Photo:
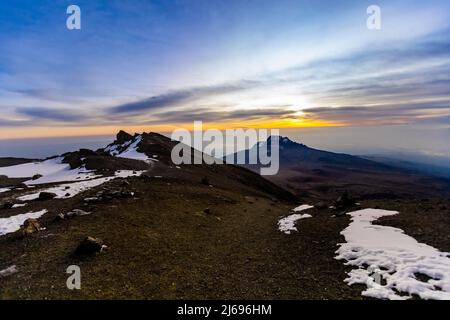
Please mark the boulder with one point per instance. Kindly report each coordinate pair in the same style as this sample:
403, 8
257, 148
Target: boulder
46, 196
31, 226
89, 246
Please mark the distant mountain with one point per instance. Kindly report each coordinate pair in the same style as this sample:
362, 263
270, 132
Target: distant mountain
310, 172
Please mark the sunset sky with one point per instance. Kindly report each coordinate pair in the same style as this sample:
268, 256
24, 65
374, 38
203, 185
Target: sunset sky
157, 65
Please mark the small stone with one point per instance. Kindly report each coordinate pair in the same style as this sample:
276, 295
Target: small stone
207, 211
46, 196
36, 176
89, 246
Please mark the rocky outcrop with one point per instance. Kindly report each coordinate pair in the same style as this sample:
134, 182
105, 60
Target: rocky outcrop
123, 137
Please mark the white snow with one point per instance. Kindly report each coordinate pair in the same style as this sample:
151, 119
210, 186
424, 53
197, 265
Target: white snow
52, 170
287, 224
4, 190
8, 271
388, 253
131, 151
303, 207
114, 148
75, 188
19, 205
12, 224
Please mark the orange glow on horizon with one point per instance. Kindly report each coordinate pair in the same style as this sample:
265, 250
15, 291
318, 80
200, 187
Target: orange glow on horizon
80, 131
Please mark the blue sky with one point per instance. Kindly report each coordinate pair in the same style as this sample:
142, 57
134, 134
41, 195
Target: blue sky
144, 65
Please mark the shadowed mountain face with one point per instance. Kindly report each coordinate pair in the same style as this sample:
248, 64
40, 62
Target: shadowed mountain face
315, 173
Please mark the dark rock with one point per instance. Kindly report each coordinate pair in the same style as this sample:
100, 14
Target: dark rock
207, 211
8, 205
89, 246
31, 226
67, 195
46, 196
123, 137
124, 183
345, 201
340, 214
59, 217
36, 176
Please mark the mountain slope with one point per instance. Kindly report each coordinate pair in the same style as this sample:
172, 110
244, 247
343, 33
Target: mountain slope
315, 173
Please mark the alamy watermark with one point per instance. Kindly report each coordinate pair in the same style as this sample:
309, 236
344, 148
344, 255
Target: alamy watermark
73, 21
218, 147
373, 22
74, 280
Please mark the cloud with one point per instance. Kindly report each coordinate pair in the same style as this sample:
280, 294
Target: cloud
223, 115
41, 113
421, 113
179, 97
13, 123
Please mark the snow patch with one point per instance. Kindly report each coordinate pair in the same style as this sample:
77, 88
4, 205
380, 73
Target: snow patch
8, 271
394, 257
51, 170
12, 224
303, 207
4, 190
19, 205
70, 190
130, 152
287, 224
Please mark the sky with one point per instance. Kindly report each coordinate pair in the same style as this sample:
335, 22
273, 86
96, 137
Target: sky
310, 66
